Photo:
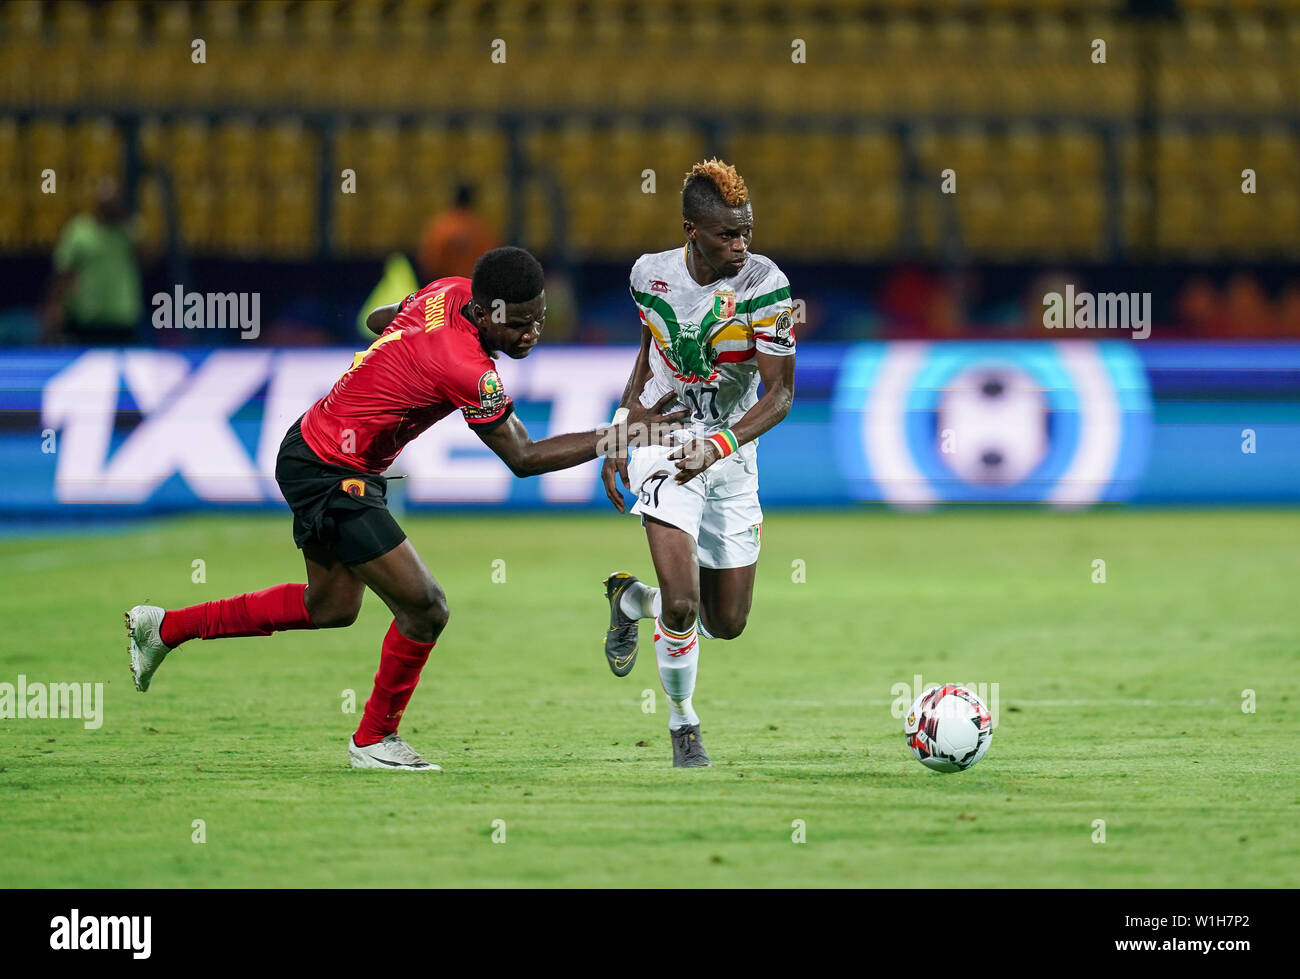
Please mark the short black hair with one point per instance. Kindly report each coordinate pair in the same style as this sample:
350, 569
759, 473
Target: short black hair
510, 274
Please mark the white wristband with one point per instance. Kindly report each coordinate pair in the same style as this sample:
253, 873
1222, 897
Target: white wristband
620, 417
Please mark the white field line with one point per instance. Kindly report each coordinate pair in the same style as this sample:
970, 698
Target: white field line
870, 702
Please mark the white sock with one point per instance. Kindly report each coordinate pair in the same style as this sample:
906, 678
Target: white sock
679, 658
704, 632
640, 601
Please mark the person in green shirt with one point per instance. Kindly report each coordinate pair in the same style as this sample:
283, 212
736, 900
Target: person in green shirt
95, 295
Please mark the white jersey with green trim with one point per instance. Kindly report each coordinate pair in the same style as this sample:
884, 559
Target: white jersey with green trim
706, 338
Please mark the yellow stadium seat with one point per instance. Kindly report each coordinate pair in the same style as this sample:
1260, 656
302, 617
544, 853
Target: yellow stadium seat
196, 207
379, 147
1225, 155
362, 22
426, 147
1075, 154
22, 19
492, 201
291, 232
1077, 225
72, 21
239, 219
47, 147
539, 233
290, 153
394, 225
1176, 158
11, 157
413, 25
482, 149
14, 220
872, 157
1278, 152
971, 154
191, 151
237, 159
96, 147
1277, 217
1009, 60
173, 22
152, 214
349, 218
220, 21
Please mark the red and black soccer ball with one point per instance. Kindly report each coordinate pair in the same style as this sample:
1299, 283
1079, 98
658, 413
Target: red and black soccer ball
948, 728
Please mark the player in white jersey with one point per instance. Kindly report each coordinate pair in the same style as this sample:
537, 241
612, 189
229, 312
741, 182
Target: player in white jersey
715, 319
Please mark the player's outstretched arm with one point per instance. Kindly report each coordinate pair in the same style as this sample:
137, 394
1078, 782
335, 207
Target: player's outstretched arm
525, 457
778, 395
617, 464
378, 319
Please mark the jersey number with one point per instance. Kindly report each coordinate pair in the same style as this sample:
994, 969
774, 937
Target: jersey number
647, 493
699, 409
360, 355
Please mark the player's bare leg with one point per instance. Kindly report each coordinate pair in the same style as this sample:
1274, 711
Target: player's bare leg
334, 593
725, 598
677, 645
420, 614
726, 595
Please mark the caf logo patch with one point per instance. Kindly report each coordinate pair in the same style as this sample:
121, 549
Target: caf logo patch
783, 329
354, 487
491, 392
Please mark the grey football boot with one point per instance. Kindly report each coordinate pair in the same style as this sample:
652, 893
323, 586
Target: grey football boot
621, 638
688, 749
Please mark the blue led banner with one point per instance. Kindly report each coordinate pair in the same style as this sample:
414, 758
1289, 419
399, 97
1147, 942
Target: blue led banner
910, 424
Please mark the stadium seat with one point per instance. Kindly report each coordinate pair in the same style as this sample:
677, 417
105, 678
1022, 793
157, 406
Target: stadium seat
1004, 68
11, 148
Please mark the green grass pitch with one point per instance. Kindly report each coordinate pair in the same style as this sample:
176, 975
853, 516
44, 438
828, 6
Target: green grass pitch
1119, 701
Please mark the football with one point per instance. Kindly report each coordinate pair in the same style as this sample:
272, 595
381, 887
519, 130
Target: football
948, 728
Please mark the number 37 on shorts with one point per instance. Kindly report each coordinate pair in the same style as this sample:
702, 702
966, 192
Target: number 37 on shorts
719, 508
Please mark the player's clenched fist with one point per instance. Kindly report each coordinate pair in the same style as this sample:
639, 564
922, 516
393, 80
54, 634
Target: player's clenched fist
694, 457
698, 454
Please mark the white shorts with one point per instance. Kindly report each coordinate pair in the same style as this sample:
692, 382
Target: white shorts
718, 508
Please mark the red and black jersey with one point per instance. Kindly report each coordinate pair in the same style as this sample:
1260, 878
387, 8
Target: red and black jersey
427, 364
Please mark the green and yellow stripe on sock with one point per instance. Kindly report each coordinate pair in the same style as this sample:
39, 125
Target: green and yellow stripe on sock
678, 636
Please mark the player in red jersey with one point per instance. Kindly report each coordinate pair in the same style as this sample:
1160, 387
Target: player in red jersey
433, 357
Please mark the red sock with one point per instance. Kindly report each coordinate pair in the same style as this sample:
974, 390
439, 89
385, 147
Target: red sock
258, 613
399, 671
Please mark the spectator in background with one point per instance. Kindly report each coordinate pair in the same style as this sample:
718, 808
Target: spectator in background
1247, 311
1200, 310
1241, 310
454, 239
919, 302
1288, 320
95, 294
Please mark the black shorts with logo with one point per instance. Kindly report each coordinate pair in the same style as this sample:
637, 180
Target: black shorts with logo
339, 509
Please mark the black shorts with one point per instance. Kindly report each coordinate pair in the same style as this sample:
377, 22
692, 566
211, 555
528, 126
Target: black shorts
339, 509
